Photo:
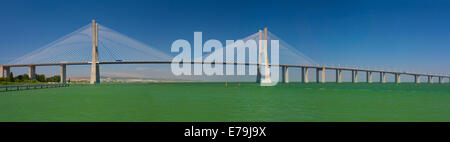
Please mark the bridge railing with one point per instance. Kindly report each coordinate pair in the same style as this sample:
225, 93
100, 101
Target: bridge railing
6, 88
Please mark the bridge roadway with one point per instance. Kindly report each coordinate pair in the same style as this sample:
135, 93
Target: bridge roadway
284, 67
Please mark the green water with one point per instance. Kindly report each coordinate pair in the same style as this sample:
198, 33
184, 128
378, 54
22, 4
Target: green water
215, 102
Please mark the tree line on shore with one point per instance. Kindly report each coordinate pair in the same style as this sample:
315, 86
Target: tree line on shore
24, 78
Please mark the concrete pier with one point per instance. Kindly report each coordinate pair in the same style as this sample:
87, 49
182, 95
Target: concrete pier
305, 75
63, 73
285, 74
354, 76
441, 80
383, 77
95, 68
318, 75
397, 78
258, 75
338, 76
323, 75
369, 77
416, 79
32, 72
430, 79
286, 79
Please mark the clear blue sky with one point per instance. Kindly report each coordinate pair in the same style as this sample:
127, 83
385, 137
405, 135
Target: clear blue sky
405, 34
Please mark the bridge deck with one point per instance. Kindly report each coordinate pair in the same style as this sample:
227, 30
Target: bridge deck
285, 65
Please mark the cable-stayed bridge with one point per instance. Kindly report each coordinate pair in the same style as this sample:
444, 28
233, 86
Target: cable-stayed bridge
97, 45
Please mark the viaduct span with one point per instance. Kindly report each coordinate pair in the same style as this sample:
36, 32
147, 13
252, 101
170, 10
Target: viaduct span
305, 69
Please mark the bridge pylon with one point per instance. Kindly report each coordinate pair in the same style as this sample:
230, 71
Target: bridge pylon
264, 47
95, 68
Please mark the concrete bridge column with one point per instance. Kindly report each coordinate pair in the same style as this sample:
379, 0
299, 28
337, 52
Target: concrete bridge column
323, 75
287, 75
283, 75
338, 76
383, 77
430, 79
441, 80
317, 74
397, 78
354, 76
258, 75
95, 68
32, 72
417, 78
63, 73
305, 75
369, 77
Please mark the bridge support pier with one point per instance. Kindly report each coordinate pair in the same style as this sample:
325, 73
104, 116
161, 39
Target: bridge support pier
397, 78
32, 72
323, 75
285, 74
441, 80
258, 75
354, 76
369, 77
305, 75
63, 74
286, 80
322, 78
338, 76
416, 79
95, 71
382, 77
317, 75
430, 79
